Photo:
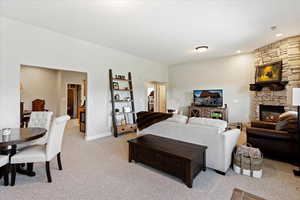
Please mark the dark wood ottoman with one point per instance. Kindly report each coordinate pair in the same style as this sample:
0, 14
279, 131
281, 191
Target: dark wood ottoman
180, 159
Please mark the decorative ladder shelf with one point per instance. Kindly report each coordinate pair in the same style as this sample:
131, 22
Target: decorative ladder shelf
128, 127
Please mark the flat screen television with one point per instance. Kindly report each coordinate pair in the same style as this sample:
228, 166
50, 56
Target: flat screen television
212, 98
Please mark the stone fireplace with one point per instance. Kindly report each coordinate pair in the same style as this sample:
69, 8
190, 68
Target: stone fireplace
270, 113
287, 51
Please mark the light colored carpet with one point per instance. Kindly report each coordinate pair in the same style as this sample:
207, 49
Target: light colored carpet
100, 170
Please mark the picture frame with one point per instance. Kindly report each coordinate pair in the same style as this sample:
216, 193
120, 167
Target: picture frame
115, 85
269, 73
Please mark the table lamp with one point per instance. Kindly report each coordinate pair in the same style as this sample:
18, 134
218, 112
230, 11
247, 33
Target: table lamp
296, 102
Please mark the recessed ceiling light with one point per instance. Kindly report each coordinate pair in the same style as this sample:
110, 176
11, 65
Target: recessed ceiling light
238, 51
201, 48
279, 34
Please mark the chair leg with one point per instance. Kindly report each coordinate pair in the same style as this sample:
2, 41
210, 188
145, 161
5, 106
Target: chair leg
29, 167
59, 161
13, 174
48, 171
6, 172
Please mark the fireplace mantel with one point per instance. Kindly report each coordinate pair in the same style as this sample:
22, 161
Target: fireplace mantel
274, 86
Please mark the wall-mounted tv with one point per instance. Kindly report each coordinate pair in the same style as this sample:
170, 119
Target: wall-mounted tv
208, 98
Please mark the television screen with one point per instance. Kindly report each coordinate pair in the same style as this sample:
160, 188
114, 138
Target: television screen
208, 98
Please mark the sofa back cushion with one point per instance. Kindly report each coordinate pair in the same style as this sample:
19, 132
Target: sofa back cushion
217, 123
178, 119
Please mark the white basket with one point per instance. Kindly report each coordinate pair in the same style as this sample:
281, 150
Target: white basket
256, 173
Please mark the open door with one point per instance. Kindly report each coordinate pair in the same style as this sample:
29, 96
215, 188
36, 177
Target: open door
157, 96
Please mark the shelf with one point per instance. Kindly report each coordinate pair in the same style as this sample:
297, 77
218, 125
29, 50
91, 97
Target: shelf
122, 113
124, 90
118, 79
127, 100
122, 101
128, 128
273, 86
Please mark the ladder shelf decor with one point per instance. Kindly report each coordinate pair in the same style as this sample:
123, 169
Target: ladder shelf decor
122, 101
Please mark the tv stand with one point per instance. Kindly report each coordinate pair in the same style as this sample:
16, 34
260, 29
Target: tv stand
209, 112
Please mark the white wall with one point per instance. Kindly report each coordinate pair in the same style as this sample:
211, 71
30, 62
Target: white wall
232, 74
29, 45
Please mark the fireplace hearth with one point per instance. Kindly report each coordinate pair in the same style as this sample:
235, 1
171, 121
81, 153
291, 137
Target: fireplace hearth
270, 113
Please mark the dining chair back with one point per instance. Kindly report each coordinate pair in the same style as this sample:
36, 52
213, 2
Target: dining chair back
55, 137
41, 120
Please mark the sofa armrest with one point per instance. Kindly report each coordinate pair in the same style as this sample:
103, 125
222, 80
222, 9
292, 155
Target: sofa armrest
230, 141
262, 124
271, 134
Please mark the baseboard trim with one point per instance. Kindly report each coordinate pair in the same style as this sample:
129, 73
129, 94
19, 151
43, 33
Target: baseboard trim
95, 137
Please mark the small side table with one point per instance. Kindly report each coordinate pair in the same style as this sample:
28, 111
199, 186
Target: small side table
234, 125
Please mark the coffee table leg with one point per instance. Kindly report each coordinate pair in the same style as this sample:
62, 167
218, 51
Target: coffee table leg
204, 161
130, 156
188, 175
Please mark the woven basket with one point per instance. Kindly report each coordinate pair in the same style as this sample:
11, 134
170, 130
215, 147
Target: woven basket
246, 162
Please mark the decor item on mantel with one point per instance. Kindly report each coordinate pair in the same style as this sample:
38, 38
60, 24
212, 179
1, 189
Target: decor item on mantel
269, 76
296, 102
123, 115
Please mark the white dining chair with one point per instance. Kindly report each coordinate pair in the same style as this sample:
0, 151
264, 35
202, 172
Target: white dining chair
42, 153
40, 120
4, 162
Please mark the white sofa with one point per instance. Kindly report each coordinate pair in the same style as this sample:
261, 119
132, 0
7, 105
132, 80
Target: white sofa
220, 143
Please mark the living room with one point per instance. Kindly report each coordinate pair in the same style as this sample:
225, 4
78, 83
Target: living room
157, 42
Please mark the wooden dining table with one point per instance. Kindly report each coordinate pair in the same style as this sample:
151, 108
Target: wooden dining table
9, 144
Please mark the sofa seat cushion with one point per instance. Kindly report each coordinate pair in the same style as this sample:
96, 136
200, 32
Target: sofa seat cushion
35, 153
271, 134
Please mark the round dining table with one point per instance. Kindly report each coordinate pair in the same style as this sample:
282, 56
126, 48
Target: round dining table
17, 136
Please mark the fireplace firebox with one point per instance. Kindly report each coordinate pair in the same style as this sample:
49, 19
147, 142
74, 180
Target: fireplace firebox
270, 113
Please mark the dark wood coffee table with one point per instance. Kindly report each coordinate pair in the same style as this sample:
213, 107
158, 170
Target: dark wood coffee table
181, 159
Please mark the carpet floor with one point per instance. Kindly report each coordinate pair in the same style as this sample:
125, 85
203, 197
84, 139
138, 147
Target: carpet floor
99, 169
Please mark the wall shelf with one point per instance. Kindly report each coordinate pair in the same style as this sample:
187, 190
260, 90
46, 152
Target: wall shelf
273, 86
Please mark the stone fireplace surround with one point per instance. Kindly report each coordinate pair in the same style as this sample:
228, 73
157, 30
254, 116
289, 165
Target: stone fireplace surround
287, 51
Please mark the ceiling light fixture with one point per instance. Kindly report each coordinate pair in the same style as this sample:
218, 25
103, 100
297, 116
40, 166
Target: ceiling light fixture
238, 51
201, 49
279, 34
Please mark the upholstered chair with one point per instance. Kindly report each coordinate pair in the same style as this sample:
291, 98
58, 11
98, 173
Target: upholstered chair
4, 161
38, 120
42, 153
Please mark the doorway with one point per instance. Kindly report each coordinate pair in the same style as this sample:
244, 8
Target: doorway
74, 100
63, 93
157, 96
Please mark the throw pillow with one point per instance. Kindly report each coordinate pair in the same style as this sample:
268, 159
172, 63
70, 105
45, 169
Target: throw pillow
288, 121
288, 114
